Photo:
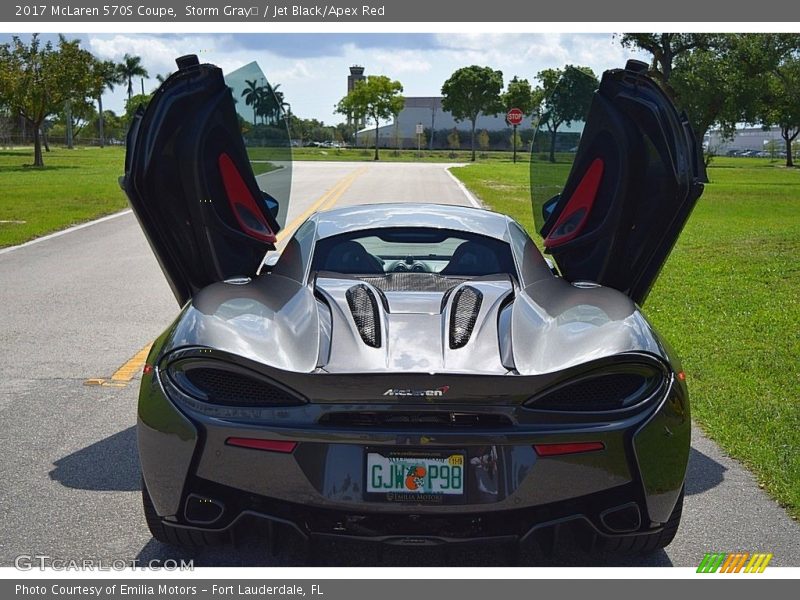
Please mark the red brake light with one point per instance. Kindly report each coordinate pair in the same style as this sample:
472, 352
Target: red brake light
147, 369
259, 444
682, 376
568, 448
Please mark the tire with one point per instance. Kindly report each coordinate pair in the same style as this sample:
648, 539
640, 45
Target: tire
180, 537
648, 542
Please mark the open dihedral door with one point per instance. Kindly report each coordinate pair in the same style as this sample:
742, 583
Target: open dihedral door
636, 175
190, 183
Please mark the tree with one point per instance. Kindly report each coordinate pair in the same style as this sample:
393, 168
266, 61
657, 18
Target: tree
483, 140
252, 97
780, 106
563, 96
130, 67
74, 116
377, 98
133, 103
519, 95
454, 140
106, 75
665, 48
470, 92
718, 79
38, 79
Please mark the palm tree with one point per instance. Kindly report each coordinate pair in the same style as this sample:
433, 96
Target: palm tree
284, 108
162, 78
130, 67
252, 97
266, 104
107, 75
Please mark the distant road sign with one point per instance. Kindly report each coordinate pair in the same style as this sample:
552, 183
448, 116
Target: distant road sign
420, 129
514, 116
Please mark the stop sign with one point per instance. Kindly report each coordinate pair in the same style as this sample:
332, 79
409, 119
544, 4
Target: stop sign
514, 116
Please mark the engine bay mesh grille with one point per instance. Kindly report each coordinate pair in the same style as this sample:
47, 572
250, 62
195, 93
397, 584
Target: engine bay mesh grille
364, 307
463, 315
413, 282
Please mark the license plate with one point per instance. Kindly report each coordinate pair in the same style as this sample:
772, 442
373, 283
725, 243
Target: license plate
415, 476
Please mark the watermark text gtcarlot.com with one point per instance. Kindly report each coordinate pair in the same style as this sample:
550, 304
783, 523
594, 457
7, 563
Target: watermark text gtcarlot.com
30, 562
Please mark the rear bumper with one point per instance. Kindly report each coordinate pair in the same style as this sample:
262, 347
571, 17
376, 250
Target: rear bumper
586, 517
510, 491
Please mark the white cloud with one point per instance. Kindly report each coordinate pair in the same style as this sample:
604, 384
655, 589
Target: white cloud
394, 63
313, 84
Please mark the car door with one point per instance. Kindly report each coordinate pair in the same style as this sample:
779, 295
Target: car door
636, 175
190, 183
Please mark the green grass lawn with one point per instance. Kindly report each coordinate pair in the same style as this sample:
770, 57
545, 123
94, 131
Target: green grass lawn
728, 300
81, 184
74, 186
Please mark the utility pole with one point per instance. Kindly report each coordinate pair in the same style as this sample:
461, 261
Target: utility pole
433, 118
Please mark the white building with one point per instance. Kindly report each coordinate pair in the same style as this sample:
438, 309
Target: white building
746, 139
428, 111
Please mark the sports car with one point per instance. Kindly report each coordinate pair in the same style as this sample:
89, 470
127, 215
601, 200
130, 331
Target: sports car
413, 373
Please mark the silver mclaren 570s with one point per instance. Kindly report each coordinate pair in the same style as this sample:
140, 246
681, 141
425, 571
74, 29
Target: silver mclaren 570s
413, 373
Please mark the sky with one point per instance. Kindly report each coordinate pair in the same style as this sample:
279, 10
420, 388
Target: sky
312, 68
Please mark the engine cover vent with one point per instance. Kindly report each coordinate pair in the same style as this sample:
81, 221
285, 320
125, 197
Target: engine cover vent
463, 315
364, 307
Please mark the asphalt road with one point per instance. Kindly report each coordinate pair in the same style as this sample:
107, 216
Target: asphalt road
81, 305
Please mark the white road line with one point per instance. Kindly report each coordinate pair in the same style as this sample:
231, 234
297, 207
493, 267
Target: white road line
50, 236
472, 199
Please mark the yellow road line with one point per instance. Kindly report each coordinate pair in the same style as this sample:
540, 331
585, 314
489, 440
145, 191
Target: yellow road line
133, 366
125, 373
327, 200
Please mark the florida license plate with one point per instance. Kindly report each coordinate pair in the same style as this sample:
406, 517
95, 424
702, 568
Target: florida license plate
415, 476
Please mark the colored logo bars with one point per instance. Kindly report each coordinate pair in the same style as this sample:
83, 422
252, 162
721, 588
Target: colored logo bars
734, 562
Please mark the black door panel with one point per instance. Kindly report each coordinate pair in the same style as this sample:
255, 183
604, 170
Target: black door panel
190, 183
636, 177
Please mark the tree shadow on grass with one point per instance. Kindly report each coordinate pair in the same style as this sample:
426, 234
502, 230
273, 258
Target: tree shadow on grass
31, 169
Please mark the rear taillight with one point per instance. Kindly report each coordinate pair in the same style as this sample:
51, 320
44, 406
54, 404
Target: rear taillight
615, 388
221, 383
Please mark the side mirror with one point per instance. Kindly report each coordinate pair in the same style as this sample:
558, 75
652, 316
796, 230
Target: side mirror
549, 206
272, 205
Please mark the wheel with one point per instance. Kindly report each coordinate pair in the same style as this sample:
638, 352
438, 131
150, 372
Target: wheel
648, 542
187, 539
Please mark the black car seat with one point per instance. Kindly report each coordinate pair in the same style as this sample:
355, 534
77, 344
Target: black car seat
351, 258
470, 259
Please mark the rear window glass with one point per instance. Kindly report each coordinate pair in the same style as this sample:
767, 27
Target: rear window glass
418, 250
